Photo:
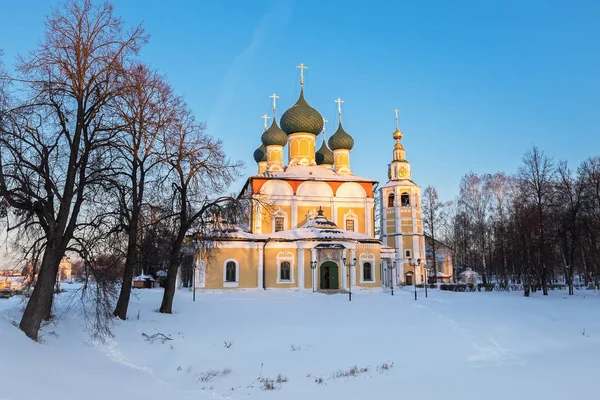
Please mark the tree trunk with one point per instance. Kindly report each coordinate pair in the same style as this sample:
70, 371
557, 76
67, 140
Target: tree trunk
41, 298
167, 301
130, 261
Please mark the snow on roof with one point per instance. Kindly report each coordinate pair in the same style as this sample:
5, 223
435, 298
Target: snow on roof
316, 233
441, 275
395, 183
319, 228
468, 273
143, 278
314, 172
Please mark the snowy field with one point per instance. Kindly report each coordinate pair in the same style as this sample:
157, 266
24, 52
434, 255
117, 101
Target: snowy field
224, 346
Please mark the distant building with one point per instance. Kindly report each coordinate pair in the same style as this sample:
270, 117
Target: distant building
444, 260
64, 269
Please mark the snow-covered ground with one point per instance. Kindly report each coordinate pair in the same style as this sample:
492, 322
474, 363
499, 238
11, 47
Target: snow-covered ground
450, 345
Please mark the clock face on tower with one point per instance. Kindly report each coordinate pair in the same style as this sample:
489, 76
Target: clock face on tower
402, 172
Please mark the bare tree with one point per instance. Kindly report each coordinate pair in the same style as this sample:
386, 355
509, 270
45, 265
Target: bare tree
434, 214
199, 167
537, 177
499, 186
146, 107
570, 192
53, 142
476, 201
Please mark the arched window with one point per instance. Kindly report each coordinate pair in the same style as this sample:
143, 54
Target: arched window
367, 271
285, 271
230, 272
391, 200
405, 200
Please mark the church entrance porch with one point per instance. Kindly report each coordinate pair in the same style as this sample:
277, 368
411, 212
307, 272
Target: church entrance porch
329, 276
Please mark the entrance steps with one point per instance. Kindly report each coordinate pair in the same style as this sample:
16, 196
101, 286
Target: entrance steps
333, 291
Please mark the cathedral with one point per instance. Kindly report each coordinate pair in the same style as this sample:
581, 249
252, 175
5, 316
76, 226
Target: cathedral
312, 221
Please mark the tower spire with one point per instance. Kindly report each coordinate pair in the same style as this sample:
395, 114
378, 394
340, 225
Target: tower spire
396, 111
265, 118
339, 103
324, 123
302, 68
274, 97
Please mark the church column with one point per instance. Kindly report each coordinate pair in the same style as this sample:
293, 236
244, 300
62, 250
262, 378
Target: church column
353, 270
344, 276
301, 266
260, 247
294, 212
313, 256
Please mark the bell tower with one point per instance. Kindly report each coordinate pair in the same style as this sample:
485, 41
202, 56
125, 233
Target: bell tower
401, 224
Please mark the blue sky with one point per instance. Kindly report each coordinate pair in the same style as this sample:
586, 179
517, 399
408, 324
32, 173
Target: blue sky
477, 83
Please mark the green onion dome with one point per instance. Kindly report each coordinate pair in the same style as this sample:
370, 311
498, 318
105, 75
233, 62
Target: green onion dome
341, 140
301, 118
324, 155
274, 136
260, 154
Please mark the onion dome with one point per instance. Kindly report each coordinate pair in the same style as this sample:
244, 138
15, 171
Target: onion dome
341, 140
324, 155
398, 134
260, 154
301, 118
274, 136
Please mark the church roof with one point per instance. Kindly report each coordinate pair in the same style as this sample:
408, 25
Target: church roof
320, 228
324, 155
301, 117
399, 182
274, 136
311, 173
260, 154
341, 139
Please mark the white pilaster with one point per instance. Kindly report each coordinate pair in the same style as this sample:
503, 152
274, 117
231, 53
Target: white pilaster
313, 254
352, 269
343, 276
300, 266
294, 213
261, 267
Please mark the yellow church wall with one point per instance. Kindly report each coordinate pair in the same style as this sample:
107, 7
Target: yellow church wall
271, 266
271, 211
247, 260
358, 212
368, 253
304, 210
307, 269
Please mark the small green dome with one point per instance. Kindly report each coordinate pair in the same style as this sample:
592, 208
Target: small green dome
260, 154
274, 136
301, 118
341, 140
324, 155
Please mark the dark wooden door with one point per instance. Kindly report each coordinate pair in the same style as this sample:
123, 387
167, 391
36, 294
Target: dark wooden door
329, 276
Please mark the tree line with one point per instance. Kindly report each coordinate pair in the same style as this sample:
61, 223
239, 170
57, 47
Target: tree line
530, 229
99, 157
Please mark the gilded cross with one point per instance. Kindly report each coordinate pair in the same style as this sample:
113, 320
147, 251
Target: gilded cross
274, 97
302, 68
265, 118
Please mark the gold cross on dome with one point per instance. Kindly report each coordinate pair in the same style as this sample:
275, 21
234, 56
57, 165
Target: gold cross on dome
274, 97
265, 118
302, 68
